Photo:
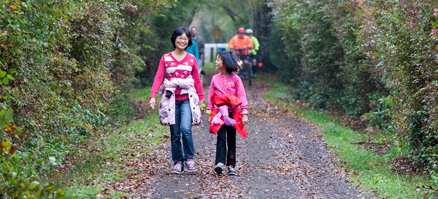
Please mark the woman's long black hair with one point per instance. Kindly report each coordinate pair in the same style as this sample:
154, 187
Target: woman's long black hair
178, 32
230, 60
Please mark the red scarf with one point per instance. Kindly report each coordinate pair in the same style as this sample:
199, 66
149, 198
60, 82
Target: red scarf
234, 102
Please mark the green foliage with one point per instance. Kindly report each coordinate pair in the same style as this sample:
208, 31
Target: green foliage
172, 14
381, 114
401, 38
24, 176
104, 159
65, 70
285, 52
209, 66
322, 55
5, 113
56, 66
19, 180
375, 59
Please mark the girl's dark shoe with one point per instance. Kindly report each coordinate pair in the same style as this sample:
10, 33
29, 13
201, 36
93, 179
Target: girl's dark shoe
219, 168
231, 171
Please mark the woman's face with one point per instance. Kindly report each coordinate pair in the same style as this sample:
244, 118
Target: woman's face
182, 41
219, 63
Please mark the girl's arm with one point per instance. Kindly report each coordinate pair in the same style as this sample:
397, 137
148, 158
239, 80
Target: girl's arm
158, 78
210, 93
198, 83
241, 94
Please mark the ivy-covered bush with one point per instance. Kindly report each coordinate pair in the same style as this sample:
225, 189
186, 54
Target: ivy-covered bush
326, 61
375, 59
401, 37
66, 69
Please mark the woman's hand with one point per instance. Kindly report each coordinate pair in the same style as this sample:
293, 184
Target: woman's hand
152, 103
245, 120
202, 108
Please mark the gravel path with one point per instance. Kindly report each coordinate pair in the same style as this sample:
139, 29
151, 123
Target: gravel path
283, 157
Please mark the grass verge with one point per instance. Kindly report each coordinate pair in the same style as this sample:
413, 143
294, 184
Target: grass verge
373, 172
208, 66
101, 160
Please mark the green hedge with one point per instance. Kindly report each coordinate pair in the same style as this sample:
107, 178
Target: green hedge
66, 68
401, 38
371, 59
325, 59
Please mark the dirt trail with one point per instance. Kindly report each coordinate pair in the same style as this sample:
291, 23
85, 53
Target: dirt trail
283, 157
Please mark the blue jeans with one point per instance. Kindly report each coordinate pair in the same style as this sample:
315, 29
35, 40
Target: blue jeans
182, 126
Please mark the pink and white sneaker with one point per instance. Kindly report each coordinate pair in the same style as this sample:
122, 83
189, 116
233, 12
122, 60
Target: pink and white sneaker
190, 164
178, 168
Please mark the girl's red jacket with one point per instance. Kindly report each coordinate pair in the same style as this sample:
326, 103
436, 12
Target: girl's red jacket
234, 102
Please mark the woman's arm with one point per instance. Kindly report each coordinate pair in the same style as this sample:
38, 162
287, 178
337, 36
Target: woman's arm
197, 79
157, 82
158, 78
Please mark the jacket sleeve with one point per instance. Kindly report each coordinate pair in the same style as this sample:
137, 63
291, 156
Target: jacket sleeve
250, 44
158, 78
256, 44
210, 93
196, 52
198, 83
201, 45
241, 94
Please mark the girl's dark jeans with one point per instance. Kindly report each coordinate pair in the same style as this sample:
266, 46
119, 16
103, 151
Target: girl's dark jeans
226, 133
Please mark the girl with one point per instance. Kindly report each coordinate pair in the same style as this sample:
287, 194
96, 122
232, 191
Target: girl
226, 95
182, 101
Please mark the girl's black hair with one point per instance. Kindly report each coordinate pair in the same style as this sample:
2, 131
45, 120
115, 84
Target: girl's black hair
230, 60
178, 32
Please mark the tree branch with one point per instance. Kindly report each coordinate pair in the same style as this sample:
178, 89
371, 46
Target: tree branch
233, 15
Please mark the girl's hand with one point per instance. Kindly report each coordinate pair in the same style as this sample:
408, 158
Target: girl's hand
152, 103
209, 117
202, 108
245, 120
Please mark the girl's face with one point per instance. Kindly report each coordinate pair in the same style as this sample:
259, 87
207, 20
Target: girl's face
219, 64
182, 41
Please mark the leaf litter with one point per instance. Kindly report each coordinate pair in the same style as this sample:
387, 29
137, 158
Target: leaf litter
283, 157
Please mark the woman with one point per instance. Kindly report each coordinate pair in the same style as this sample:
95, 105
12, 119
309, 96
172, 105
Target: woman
182, 101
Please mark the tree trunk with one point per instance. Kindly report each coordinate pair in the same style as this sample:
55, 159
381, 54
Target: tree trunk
262, 30
189, 21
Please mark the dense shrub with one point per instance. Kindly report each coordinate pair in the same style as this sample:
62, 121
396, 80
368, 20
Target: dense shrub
401, 37
66, 69
285, 52
59, 55
325, 59
371, 58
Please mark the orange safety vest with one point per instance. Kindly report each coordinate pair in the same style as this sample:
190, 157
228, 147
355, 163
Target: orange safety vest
241, 44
